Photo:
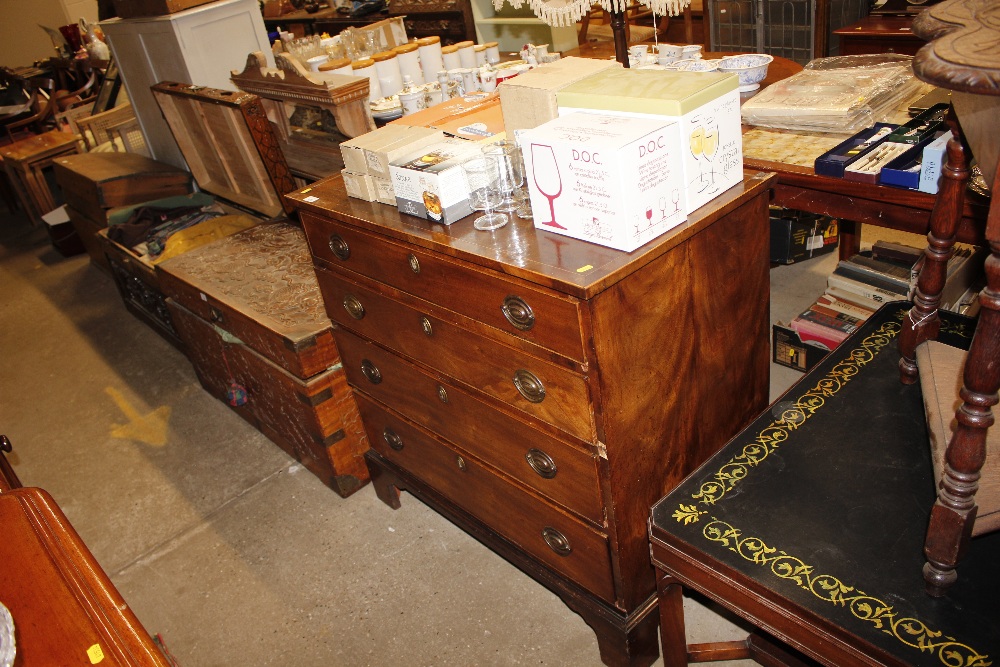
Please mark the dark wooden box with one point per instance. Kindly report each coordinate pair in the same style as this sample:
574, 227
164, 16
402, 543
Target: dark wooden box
94, 183
249, 310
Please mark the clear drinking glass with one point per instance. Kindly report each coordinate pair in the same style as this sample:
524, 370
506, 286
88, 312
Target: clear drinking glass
511, 173
483, 174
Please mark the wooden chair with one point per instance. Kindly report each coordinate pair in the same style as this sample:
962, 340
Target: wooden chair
595, 26
95, 129
129, 135
42, 110
814, 523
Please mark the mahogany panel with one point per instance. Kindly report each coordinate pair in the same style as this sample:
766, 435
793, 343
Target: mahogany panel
576, 551
560, 397
555, 321
498, 438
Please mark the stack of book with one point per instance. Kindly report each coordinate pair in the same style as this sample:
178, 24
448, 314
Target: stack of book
888, 272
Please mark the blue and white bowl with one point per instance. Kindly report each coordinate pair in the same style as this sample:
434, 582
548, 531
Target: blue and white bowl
750, 67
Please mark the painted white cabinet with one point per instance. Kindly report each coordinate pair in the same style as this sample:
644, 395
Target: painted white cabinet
200, 46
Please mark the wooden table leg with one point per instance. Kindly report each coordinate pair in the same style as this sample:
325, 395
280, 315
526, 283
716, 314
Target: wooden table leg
850, 238
673, 636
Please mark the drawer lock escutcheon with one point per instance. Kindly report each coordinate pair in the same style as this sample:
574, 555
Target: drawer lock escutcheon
371, 371
414, 263
518, 312
541, 463
442, 394
529, 386
392, 439
354, 307
216, 315
339, 247
556, 541
425, 324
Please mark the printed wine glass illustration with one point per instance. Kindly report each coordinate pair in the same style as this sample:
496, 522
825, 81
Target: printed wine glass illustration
547, 178
697, 148
675, 197
709, 148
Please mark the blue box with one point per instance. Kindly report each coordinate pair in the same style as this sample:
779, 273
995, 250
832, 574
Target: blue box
904, 171
835, 161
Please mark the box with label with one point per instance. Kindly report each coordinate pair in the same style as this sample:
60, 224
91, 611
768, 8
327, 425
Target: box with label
431, 184
904, 171
359, 186
605, 179
797, 236
529, 99
934, 156
354, 150
414, 138
705, 108
837, 159
788, 349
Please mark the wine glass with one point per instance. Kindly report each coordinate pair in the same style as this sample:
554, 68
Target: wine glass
511, 173
697, 148
709, 148
545, 172
483, 174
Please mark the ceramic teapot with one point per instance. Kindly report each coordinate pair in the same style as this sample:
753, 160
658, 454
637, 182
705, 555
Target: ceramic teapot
94, 42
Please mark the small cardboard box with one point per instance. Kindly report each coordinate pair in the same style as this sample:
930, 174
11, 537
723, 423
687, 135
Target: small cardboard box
922, 126
605, 179
800, 236
384, 192
529, 99
431, 184
414, 138
354, 150
934, 157
904, 171
705, 108
359, 186
789, 350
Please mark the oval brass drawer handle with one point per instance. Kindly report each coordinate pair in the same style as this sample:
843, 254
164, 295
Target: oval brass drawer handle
541, 463
371, 371
556, 541
414, 263
425, 324
339, 247
354, 307
392, 439
518, 312
529, 386
460, 462
442, 394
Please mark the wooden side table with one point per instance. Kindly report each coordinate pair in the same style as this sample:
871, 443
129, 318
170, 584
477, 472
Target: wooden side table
65, 609
24, 162
879, 34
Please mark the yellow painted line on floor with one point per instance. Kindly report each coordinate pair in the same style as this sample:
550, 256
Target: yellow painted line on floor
150, 429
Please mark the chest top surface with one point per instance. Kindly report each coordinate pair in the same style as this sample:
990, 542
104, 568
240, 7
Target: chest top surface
578, 268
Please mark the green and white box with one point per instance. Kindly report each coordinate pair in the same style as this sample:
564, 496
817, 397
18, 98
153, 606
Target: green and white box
605, 179
431, 183
705, 109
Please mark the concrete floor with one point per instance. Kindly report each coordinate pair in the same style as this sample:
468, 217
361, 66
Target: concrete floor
221, 543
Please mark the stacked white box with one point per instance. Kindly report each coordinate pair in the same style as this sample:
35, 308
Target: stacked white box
606, 179
704, 105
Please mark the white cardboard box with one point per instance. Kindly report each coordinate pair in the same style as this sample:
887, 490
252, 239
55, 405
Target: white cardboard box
705, 106
431, 184
931, 163
605, 179
359, 186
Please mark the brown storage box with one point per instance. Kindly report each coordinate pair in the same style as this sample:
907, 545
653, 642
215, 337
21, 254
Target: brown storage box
94, 182
249, 310
128, 9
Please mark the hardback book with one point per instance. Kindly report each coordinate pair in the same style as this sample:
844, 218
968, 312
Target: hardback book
879, 273
867, 284
808, 332
832, 303
857, 293
828, 317
896, 252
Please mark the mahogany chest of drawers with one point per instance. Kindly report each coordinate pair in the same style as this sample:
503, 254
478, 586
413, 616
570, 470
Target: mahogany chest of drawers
543, 392
251, 317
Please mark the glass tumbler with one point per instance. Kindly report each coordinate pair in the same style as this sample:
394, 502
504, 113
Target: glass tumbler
511, 166
483, 174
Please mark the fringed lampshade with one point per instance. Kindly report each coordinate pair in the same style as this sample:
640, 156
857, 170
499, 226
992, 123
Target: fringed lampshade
562, 13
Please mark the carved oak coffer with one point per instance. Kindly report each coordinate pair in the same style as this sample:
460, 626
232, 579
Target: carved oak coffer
250, 313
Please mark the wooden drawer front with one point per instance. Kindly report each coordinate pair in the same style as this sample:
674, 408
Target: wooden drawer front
316, 421
543, 317
506, 442
88, 231
310, 353
539, 388
577, 551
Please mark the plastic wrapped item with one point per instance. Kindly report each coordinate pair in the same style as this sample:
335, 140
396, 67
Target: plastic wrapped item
844, 94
